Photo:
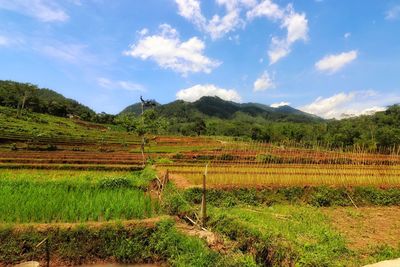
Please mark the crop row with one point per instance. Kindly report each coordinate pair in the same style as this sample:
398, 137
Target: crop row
104, 167
24, 201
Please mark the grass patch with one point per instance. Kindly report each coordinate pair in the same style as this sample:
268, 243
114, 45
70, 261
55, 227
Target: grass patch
282, 235
140, 243
88, 197
321, 196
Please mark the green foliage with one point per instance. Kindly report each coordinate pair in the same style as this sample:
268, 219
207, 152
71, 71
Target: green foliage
33, 126
16, 95
147, 123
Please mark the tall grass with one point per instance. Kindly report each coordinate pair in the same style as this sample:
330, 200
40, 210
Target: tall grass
39, 200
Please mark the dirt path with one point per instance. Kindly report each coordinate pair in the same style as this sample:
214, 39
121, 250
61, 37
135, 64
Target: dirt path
180, 181
367, 226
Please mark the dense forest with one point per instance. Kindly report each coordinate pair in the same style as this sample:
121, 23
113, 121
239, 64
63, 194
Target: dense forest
214, 116
25, 96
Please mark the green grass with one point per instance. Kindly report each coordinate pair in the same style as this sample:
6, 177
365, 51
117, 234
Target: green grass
47, 126
88, 196
138, 243
137, 179
282, 235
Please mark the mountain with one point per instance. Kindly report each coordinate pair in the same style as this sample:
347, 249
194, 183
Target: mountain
213, 106
28, 96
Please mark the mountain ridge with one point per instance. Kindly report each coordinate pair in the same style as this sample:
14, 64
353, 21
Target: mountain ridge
213, 106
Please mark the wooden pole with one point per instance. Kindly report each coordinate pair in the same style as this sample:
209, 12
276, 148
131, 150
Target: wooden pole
204, 203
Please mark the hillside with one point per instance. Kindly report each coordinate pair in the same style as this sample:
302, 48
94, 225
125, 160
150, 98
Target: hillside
209, 106
26, 96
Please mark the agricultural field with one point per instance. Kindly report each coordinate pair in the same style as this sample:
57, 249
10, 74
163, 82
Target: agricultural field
267, 204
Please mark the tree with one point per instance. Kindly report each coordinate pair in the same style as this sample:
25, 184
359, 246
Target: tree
199, 126
147, 123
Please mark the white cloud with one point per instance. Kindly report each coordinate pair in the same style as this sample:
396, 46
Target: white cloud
347, 35
280, 104
196, 92
143, 31
43, 10
296, 25
11, 39
169, 52
124, 85
393, 13
190, 9
354, 103
70, 53
264, 82
4, 41
333, 63
218, 25
278, 49
266, 9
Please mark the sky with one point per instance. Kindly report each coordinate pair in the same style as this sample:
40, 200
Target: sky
327, 57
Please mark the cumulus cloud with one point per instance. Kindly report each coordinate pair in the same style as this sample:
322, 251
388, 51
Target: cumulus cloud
393, 13
296, 25
124, 85
333, 63
349, 104
266, 9
264, 82
196, 92
190, 9
280, 104
43, 10
347, 35
169, 52
218, 25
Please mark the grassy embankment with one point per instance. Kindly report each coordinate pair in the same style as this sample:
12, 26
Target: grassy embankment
292, 226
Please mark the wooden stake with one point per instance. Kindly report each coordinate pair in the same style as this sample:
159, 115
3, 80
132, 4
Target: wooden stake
203, 203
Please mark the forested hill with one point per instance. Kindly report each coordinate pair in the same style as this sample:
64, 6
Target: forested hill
216, 107
26, 96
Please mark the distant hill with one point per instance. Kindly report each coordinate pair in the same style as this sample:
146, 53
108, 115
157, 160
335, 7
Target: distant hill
30, 97
212, 106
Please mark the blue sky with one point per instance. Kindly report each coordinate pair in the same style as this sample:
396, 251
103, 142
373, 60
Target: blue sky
327, 57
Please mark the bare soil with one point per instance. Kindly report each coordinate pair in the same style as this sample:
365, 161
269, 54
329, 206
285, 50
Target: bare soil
367, 226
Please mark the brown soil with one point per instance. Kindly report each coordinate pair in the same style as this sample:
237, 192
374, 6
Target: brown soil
367, 226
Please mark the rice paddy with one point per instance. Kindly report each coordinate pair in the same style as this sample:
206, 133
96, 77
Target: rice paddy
54, 196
